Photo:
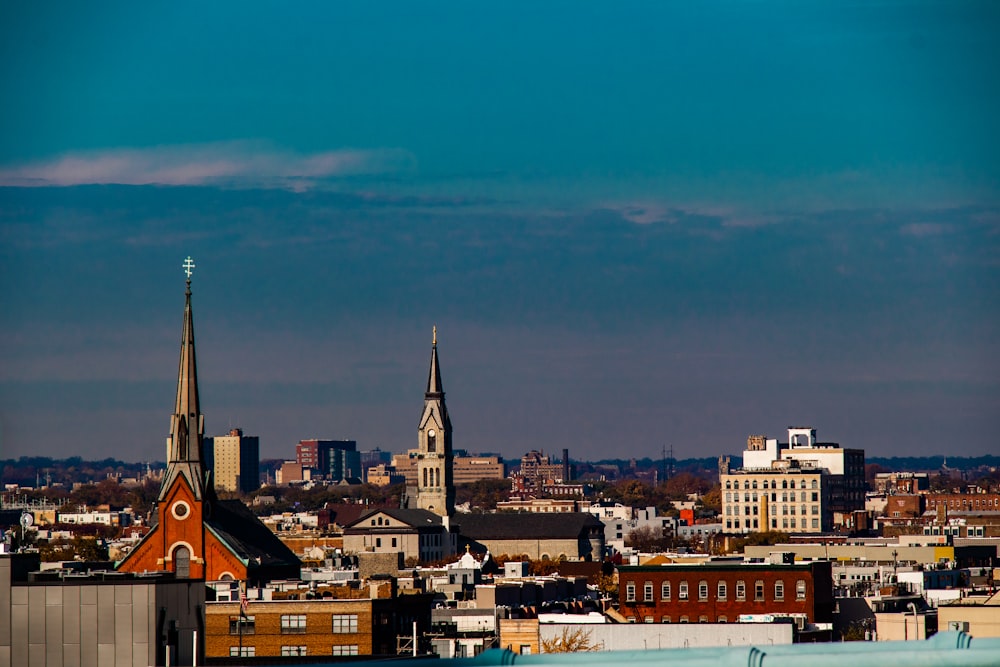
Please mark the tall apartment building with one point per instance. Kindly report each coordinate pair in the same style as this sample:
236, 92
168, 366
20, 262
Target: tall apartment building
333, 459
794, 486
234, 460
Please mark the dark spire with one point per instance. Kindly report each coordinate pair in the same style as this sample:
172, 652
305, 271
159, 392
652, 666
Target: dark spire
434, 386
187, 423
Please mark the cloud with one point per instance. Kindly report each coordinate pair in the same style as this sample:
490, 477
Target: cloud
232, 164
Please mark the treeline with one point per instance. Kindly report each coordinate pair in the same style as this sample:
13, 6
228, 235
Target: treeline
28, 470
934, 463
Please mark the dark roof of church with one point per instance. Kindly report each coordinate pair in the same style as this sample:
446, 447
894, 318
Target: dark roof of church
248, 537
527, 525
412, 517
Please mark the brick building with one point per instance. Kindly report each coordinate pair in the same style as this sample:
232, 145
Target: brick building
719, 592
964, 502
318, 627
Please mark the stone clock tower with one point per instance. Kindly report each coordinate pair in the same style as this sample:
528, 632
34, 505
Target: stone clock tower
435, 480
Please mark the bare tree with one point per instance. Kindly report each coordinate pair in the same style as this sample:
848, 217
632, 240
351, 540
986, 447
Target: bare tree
571, 641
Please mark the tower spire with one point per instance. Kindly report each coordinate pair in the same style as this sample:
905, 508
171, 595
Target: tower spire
187, 424
434, 386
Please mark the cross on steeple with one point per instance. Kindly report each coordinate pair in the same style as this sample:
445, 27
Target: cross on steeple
187, 266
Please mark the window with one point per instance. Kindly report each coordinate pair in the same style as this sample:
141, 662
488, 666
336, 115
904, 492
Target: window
293, 650
741, 590
815, 523
182, 562
815, 509
665, 590
247, 622
630, 592
348, 649
525, 649
242, 652
779, 590
682, 591
814, 484
647, 591
815, 496
649, 619
702, 590
800, 589
684, 619
394, 541
721, 592
292, 624
664, 619
703, 619
345, 623
722, 619
758, 590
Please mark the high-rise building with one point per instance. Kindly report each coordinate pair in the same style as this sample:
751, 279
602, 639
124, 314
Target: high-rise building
796, 486
234, 460
331, 459
435, 473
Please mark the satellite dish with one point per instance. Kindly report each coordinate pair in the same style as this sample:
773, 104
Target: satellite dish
27, 520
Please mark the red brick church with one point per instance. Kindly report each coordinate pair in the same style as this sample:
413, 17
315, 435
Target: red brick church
194, 534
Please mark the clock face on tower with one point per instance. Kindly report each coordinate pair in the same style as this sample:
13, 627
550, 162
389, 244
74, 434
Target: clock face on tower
431, 433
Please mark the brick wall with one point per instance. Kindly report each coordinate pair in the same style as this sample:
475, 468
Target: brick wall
804, 589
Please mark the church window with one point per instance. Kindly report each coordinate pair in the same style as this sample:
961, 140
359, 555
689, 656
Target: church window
182, 562
425, 477
431, 441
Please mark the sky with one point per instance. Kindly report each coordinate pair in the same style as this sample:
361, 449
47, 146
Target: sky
637, 226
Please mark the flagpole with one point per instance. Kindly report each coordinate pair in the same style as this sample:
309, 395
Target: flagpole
239, 622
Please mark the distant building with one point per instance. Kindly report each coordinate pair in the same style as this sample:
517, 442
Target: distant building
333, 460
721, 592
416, 533
796, 486
234, 460
318, 628
539, 536
465, 469
383, 475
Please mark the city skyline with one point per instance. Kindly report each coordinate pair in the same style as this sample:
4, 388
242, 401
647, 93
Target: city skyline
654, 225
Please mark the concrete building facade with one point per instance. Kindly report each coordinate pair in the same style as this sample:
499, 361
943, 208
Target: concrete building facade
234, 460
797, 486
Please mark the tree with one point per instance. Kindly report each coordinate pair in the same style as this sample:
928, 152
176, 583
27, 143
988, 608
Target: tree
571, 641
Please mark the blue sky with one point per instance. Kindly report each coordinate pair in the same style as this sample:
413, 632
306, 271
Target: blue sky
648, 225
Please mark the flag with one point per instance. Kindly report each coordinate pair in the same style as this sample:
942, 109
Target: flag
244, 603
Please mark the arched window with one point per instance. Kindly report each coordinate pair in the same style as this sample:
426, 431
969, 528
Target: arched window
431, 441
425, 477
182, 562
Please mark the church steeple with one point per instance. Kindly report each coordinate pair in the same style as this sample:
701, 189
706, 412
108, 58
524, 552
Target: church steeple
187, 424
434, 386
435, 467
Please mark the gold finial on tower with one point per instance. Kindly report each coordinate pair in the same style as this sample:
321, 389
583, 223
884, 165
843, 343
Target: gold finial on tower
435, 342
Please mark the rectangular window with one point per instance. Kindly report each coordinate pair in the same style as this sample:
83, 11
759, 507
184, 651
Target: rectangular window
394, 541
345, 623
293, 650
779, 590
758, 590
665, 590
247, 622
741, 590
815, 523
242, 652
800, 589
378, 542
350, 649
293, 624
682, 591
630, 592
525, 649
647, 591
703, 590
721, 592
